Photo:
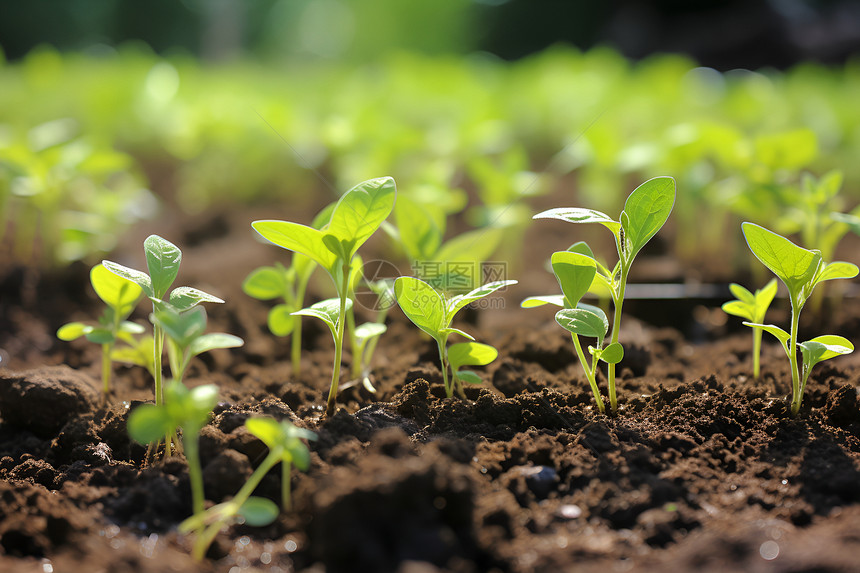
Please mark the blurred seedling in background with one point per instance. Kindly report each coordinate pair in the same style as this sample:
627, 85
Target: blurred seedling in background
576, 271
433, 312
800, 270
355, 217
288, 284
120, 297
645, 212
753, 307
286, 445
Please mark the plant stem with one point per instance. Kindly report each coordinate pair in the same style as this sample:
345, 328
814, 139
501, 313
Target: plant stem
355, 367
296, 350
338, 344
195, 475
589, 374
756, 352
618, 300
449, 389
157, 351
796, 394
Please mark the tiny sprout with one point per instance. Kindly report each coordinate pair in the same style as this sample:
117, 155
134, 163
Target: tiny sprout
645, 212
752, 307
120, 296
286, 445
355, 217
800, 270
433, 312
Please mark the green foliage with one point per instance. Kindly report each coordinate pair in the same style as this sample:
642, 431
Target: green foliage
645, 212
354, 218
800, 270
120, 297
433, 312
753, 307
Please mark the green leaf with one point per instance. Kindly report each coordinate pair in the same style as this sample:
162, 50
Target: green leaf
456, 303
162, 261
647, 209
181, 327
795, 266
266, 283
469, 377
764, 296
612, 354
579, 215
742, 294
471, 354
116, 291
131, 327
368, 330
450, 330
361, 210
575, 273
186, 298
582, 248
583, 322
836, 270
741, 309
281, 321
148, 423
268, 430
326, 310
418, 232
212, 341
259, 511
535, 301
823, 348
779, 333
100, 336
73, 331
853, 221
298, 238
421, 304
139, 278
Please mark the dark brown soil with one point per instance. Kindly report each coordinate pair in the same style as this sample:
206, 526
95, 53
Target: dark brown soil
702, 469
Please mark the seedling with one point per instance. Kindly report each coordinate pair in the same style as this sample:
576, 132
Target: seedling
800, 270
367, 335
286, 445
433, 312
355, 217
575, 270
752, 307
288, 284
183, 408
120, 296
646, 210
162, 262
137, 351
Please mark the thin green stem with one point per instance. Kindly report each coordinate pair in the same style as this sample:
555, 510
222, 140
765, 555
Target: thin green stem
338, 344
195, 475
443, 361
355, 367
618, 300
797, 394
756, 333
157, 351
589, 374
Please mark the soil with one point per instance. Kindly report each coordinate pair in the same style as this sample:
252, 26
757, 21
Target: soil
701, 470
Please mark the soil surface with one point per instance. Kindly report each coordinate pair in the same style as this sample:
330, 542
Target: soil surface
701, 470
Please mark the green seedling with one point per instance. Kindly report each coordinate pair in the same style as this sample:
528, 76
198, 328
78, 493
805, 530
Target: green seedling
183, 408
367, 335
752, 307
121, 297
137, 351
469, 354
645, 212
800, 270
433, 312
162, 262
286, 445
576, 271
355, 217
289, 285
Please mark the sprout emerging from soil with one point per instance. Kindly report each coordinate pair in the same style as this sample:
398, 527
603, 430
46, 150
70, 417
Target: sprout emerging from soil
355, 217
800, 270
753, 307
433, 313
120, 297
645, 212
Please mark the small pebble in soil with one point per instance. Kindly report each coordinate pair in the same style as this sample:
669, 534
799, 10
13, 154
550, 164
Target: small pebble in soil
769, 550
147, 545
569, 511
47, 567
290, 546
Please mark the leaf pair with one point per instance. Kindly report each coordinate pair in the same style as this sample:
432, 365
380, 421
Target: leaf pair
183, 408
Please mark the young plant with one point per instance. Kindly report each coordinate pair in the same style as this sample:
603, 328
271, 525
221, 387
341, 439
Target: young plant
183, 408
121, 297
286, 445
800, 270
289, 284
367, 335
575, 270
355, 217
162, 262
433, 312
645, 211
752, 307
